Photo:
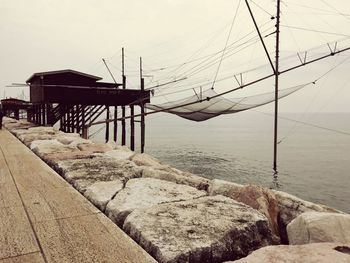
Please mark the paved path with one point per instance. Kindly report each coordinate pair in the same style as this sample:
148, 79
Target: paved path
44, 219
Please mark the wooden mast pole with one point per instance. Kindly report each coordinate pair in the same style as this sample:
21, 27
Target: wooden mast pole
142, 111
276, 86
123, 107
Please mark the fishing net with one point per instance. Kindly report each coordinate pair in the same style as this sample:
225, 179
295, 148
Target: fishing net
193, 108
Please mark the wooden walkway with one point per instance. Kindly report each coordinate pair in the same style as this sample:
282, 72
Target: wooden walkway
44, 219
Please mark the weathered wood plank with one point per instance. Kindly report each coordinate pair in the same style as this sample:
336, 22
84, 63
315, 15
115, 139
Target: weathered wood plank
27, 169
86, 239
8, 192
17, 237
67, 227
49, 204
29, 258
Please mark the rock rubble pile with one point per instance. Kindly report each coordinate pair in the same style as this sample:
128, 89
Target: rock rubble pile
181, 217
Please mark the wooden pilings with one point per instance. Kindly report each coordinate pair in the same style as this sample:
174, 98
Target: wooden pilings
78, 117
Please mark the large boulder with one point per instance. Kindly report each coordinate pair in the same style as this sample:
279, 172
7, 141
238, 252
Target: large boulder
314, 227
45, 147
100, 168
146, 192
28, 138
221, 187
51, 151
176, 176
119, 154
310, 253
54, 158
143, 159
82, 184
14, 124
94, 147
68, 138
291, 206
206, 229
100, 193
260, 199
36, 133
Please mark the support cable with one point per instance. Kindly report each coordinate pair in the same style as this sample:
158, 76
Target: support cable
228, 38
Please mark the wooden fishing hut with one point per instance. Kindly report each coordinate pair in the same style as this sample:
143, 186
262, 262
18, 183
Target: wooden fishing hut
14, 107
77, 99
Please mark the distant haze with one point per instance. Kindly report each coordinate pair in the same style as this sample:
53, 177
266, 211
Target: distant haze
173, 38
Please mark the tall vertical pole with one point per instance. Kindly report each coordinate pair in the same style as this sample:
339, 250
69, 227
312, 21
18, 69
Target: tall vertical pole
115, 127
123, 107
276, 86
83, 128
132, 128
142, 110
107, 124
78, 118
39, 113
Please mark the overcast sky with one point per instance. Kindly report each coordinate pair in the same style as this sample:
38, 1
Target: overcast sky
44, 35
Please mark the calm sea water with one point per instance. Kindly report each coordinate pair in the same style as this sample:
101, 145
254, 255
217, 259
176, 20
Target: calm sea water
313, 163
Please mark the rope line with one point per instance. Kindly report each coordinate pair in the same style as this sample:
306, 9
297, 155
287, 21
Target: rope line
228, 38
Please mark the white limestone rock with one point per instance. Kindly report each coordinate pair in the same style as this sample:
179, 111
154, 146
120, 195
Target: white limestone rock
146, 192
52, 150
221, 187
98, 169
77, 141
68, 138
291, 206
15, 125
119, 154
206, 229
314, 227
82, 184
100, 193
144, 159
176, 176
310, 253
43, 129
94, 147
43, 147
261, 199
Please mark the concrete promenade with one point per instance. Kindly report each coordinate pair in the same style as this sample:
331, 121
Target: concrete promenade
44, 219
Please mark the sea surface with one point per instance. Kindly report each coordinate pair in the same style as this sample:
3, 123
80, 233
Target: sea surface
313, 163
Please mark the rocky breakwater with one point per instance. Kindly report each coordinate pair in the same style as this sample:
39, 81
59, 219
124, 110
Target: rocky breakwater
180, 217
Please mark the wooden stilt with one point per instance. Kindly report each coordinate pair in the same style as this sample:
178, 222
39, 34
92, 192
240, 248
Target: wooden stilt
43, 112
123, 107
39, 114
142, 105
107, 124
84, 130
78, 118
115, 127
69, 118
132, 128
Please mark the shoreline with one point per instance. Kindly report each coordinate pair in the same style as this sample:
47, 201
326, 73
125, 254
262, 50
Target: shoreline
173, 215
